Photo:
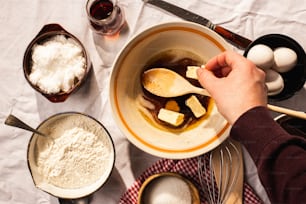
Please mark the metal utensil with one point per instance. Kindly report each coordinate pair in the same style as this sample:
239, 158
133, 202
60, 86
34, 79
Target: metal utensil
221, 177
237, 40
15, 122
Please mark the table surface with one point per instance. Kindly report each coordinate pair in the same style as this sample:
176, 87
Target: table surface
22, 20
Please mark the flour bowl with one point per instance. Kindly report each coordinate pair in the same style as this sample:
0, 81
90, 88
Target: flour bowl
76, 159
182, 43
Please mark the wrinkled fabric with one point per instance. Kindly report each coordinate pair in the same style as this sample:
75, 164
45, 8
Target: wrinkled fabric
22, 20
189, 169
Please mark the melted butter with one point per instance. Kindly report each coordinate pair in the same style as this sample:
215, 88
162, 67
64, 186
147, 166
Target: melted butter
176, 60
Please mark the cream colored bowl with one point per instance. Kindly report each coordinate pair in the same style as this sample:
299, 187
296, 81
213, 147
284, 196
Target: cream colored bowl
53, 177
126, 88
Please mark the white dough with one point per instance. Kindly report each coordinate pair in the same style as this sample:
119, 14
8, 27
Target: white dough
284, 59
262, 56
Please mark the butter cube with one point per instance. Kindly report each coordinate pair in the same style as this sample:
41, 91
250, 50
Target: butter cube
192, 72
171, 117
196, 107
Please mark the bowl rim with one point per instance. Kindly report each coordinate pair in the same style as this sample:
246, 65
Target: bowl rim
110, 170
134, 137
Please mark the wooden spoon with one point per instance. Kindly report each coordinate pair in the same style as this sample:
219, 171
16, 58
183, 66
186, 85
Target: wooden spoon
167, 83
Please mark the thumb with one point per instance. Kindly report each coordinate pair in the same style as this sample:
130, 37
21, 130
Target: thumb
206, 78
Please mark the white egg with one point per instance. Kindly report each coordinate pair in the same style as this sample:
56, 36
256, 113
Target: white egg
284, 59
274, 82
262, 56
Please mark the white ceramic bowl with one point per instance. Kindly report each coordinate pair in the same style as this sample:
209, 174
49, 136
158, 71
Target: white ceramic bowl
40, 145
125, 89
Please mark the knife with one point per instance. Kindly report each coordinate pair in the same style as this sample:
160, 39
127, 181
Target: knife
235, 39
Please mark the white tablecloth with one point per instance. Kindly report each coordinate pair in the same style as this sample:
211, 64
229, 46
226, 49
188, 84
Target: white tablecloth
20, 21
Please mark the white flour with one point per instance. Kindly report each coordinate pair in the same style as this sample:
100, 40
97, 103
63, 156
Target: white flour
77, 158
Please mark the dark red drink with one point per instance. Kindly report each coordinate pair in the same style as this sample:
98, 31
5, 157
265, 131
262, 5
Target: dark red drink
101, 9
105, 17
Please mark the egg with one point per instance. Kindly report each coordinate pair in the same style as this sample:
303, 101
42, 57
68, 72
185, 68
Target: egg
284, 59
274, 82
262, 56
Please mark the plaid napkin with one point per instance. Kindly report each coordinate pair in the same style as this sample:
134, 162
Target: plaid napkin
187, 168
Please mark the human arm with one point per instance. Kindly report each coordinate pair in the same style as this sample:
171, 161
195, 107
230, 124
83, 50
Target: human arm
280, 157
238, 89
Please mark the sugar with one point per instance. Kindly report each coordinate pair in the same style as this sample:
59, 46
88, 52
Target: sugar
57, 63
168, 190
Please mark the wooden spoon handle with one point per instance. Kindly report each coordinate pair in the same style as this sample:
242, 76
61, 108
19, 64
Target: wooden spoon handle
200, 91
298, 114
237, 40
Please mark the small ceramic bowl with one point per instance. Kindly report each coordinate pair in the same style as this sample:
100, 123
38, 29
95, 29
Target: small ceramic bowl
40, 149
294, 79
48, 31
126, 91
156, 181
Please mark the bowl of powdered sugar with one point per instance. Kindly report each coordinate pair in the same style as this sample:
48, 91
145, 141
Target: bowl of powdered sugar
55, 63
76, 158
168, 187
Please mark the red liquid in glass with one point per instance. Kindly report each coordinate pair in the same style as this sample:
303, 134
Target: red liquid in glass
101, 9
106, 18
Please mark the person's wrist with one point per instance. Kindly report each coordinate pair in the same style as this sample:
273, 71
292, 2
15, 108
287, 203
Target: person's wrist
235, 115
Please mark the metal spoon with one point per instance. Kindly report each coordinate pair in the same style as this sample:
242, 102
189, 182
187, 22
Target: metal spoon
167, 83
15, 122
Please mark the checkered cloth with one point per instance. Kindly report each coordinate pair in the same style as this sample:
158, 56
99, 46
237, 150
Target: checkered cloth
187, 168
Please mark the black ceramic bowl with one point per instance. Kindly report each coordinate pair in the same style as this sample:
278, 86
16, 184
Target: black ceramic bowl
294, 79
292, 125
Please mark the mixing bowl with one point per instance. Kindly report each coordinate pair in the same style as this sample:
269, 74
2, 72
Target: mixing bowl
180, 41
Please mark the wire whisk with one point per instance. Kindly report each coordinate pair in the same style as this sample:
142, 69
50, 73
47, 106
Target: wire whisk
219, 172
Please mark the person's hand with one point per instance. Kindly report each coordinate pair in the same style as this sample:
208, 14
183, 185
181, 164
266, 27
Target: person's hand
235, 84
